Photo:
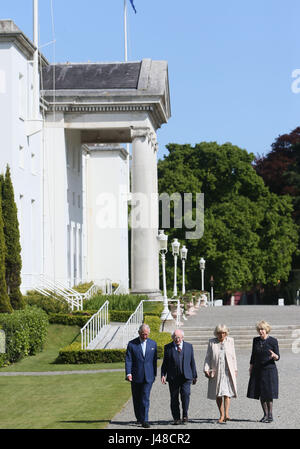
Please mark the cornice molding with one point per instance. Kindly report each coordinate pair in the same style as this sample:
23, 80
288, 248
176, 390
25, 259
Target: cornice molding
154, 110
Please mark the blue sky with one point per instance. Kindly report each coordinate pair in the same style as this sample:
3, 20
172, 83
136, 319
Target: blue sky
230, 62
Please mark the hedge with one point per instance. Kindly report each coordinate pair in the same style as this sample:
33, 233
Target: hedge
80, 318
48, 304
3, 359
73, 353
25, 332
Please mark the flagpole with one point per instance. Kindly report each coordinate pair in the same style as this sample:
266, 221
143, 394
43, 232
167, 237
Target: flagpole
36, 99
125, 29
125, 53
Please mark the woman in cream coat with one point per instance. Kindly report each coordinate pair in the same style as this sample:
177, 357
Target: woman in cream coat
220, 368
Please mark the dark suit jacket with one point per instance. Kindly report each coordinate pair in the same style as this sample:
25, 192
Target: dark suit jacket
169, 362
142, 369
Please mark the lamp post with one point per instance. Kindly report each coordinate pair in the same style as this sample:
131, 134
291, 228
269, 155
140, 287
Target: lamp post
202, 268
212, 290
175, 251
183, 256
163, 249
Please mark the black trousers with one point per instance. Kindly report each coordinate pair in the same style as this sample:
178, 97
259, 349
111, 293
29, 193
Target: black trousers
179, 386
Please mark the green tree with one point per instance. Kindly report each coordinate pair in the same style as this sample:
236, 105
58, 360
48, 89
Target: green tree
249, 235
5, 306
13, 261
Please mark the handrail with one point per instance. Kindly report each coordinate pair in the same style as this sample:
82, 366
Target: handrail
91, 291
133, 323
137, 318
48, 287
91, 330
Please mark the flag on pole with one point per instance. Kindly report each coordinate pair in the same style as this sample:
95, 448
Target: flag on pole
131, 1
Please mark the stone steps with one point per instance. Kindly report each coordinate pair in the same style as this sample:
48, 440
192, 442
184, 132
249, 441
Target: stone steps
243, 335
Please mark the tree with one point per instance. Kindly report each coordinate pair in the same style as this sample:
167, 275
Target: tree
13, 261
249, 235
282, 158
5, 306
280, 170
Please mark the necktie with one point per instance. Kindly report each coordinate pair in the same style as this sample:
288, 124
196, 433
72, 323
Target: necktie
178, 348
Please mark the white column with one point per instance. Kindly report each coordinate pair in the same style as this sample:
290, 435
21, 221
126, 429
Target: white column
144, 214
55, 198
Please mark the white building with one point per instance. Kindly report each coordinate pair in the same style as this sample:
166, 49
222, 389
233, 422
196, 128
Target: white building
65, 139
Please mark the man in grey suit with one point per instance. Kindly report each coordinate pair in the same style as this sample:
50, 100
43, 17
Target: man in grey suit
179, 370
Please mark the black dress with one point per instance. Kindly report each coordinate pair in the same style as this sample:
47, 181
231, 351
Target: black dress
263, 382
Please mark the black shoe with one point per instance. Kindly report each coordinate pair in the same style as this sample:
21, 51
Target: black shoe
264, 419
146, 425
270, 418
185, 420
176, 422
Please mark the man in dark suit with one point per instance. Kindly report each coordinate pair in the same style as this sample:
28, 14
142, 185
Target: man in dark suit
141, 369
179, 370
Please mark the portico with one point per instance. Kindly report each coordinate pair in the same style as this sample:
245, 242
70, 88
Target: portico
92, 109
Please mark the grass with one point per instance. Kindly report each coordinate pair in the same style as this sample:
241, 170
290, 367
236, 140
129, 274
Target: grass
58, 337
75, 401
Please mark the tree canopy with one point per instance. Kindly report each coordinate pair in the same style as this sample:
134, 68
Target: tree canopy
249, 234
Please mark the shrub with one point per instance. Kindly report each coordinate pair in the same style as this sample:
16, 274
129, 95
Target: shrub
48, 304
153, 322
69, 319
3, 359
25, 332
75, 355
116, 302
37, 323
161, 338
83, 288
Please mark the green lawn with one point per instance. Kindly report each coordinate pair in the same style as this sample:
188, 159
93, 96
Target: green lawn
58, 337
75, 401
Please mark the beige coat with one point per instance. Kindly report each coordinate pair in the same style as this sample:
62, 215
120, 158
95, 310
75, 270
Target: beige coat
212, 361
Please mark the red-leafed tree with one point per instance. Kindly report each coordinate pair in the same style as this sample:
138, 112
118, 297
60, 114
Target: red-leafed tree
282, 158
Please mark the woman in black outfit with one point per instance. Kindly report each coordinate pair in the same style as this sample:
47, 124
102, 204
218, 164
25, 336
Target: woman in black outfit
263, 382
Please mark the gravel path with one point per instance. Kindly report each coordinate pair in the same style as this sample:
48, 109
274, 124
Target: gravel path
245, 413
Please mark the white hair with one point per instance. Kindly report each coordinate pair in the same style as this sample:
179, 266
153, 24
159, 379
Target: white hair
144, 326
173, 333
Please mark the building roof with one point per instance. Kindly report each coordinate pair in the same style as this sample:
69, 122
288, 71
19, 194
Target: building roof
112, 86
91, 76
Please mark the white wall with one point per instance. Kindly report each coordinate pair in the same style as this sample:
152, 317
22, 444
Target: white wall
106, 209
22, 153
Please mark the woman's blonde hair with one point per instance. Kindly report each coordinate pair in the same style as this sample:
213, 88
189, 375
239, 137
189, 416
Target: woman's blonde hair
221, 328
263, 325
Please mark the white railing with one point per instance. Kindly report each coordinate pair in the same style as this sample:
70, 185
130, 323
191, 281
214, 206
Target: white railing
49, 287
121, 290
91, 330
91, 291
105, 285
131, 327
133, 323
